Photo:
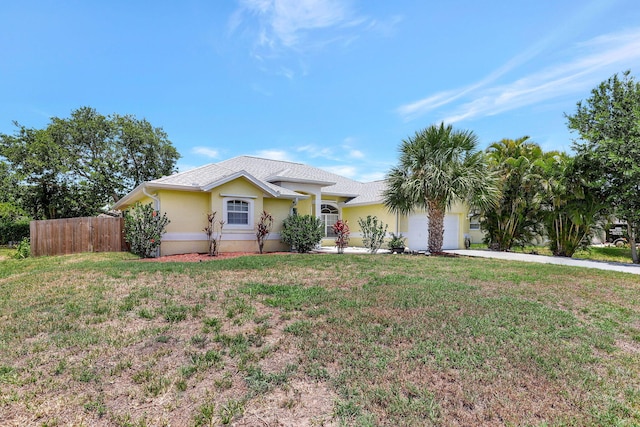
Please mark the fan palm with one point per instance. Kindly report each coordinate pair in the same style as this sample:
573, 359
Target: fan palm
438, 166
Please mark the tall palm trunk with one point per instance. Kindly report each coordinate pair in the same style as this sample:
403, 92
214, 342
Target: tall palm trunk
436, 226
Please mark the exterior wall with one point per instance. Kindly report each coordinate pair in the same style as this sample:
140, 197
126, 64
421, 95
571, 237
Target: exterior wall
279, 210
238, 238
187, 211
352, 214
305, 207
477, 236
460, 211
145, 200
398, 224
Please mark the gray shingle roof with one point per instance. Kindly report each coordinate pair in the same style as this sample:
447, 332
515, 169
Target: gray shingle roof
370, 193
198, 177
208, 175
267, 173
278, 170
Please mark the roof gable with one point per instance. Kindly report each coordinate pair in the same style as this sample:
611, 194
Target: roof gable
283, 171
266, 174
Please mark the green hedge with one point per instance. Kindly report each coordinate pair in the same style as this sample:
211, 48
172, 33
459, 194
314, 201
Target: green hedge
14, 231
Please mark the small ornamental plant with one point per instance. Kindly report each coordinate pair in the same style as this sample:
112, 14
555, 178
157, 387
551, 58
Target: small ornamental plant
263, 228
373, 232
396, 243
341, 229
213, 237
23, 250
143, 229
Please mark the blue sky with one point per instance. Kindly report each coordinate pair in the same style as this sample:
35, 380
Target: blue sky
334, 84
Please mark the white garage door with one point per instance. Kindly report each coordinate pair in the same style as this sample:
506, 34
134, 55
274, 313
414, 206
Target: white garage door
418, 235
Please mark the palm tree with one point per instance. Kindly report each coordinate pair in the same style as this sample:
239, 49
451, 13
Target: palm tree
516, 216
571, 208
438, 166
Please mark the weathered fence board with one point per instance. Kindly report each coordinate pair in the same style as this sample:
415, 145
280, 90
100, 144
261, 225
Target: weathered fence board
75, 235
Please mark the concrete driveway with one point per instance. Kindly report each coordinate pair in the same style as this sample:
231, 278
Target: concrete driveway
511, 256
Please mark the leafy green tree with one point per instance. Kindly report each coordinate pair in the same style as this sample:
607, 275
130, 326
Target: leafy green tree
608, 147
38, 166
8, 184
570, 207
515, 219
302, 232
77, 166
438, 166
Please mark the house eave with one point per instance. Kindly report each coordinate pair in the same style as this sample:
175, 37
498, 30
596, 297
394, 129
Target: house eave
374, 202
279, 178
337, 194
241, 174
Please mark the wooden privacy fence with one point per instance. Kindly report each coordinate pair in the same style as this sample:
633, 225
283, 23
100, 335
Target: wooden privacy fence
75, 235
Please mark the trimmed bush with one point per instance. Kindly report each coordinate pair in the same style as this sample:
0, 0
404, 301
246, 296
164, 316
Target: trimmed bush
14, 231
143, 229
302, 232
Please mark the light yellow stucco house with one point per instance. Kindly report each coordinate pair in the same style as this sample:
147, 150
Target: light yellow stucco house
239, 189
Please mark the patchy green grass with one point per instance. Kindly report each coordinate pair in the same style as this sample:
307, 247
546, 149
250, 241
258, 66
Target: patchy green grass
106, 339
594, 253
606, 253
6, 252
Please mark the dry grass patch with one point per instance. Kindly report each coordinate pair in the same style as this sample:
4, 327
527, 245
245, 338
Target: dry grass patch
316, 340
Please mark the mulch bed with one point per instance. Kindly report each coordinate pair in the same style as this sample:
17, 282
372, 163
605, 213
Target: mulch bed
196, 257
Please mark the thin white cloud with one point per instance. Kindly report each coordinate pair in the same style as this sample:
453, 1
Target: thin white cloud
292, 17
418, 108
373, 176
356, 154
592, 61
344, 170
275, 154
313, 151
386, 27
294, 24
596, 60
206, 151
347, 147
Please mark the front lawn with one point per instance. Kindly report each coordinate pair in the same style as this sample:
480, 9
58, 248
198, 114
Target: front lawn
106, 339
6, 252
593, 253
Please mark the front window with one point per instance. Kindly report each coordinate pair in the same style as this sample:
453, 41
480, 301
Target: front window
329, 216
237, 212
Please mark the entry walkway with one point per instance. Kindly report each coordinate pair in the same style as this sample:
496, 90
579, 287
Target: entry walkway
511, 256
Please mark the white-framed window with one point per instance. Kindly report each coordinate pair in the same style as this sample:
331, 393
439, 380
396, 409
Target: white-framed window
237, 213
329, 216
474, 224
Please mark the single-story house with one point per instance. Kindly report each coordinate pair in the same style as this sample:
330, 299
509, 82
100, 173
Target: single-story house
239, 189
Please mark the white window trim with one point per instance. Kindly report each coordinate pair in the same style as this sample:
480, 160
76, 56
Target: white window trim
327, 227
246, 199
